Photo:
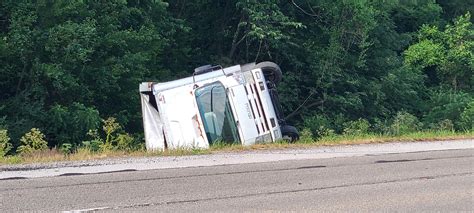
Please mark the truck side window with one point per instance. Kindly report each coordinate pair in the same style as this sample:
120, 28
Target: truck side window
216, 114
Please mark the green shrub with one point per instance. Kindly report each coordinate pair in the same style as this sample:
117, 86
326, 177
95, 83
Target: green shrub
3, 122
115, 138
403, 123
70, 123
138, 141
381, 126
466, 122
306, 136
358, 127
5, 145
124, 141
105, 147
320, 126
95, 143
444, 125
32, 141
110, 127
326, 132
66, 148
448, 105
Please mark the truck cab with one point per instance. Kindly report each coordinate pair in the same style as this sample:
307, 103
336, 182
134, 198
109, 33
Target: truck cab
237, 104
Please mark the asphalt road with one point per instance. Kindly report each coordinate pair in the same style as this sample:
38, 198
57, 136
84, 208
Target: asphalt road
421, 181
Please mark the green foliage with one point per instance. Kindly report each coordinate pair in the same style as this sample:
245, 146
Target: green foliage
306, 136
5, 145
455, 8
444, 125
319, 126
64, 62
66, 148
115, 138
410, 15
110, 127
71, 123
95, 143
404, 123
357, 127
262, 23
450, 52
68, 64
402, 88
466, 122
32, 141
425, 53
124, 141
447, 105
3, 120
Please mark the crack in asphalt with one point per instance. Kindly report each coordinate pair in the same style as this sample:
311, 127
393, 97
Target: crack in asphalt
311, 167
423, 178
401, 160
207, 174
97, 173
13, 178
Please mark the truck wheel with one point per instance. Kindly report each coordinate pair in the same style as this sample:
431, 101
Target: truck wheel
271, 71
290, 133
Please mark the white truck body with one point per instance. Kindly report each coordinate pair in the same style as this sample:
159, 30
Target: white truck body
231, 105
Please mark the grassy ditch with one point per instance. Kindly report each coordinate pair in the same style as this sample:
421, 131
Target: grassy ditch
54, 155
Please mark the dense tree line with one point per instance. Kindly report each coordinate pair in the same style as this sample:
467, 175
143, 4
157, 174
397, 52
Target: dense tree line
67, 65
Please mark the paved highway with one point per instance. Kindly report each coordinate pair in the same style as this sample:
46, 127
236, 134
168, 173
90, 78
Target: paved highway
420, 181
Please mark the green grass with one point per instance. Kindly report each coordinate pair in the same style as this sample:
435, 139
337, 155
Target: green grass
380, 138
335, 140
84, 154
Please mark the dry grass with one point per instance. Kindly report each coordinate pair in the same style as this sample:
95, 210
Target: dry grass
51, 155
83, 154
54, 155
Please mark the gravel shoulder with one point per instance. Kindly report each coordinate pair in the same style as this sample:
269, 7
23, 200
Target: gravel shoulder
255, 156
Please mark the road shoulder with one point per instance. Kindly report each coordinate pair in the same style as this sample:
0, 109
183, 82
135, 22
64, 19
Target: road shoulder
254, 156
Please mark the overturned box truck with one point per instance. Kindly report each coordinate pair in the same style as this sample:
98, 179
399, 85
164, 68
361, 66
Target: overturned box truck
237, 104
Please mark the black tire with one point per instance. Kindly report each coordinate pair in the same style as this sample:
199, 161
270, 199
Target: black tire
271, 71
290, 133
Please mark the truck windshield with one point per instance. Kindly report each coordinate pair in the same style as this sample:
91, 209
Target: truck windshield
216, 114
